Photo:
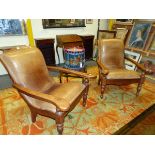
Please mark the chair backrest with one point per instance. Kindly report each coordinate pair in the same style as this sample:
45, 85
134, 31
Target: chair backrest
26, 67
111, 53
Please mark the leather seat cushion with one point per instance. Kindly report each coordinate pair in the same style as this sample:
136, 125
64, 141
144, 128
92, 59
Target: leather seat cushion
68, 91
123, 74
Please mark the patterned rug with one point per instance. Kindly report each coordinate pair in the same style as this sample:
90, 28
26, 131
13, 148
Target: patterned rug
99, 117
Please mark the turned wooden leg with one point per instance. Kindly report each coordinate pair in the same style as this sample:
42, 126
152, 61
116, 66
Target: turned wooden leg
57, 53
103, 86
59, 121
67, 77
86, 83
139, 87
33, 115
99, 79
60, 78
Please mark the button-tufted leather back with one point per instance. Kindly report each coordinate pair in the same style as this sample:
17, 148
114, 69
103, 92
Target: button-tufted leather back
111, 53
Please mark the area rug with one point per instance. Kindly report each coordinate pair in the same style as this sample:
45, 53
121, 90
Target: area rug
99, 117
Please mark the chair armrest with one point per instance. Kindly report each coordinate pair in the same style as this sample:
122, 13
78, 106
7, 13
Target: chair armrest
141, 67
103, 67
60, 103
80, 74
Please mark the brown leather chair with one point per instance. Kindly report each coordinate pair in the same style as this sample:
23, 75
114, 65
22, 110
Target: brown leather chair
111, 64
29, 73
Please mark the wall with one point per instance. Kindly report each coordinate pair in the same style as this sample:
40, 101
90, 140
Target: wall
11, 41
39, 32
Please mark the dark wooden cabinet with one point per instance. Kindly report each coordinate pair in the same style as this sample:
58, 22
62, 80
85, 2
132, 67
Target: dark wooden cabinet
47, 48
88, 42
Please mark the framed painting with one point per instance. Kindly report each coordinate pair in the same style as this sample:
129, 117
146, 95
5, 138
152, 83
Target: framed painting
12, 27
151, 44
139, 34
89, 21
106, 34
62, 23
124, 21
121, 33
133, 55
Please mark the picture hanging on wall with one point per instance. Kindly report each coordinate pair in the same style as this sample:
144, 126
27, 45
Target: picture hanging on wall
62, 23
89, 21
11, 27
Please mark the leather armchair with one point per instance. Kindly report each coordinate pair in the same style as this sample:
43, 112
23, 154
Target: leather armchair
29, 73
111, 64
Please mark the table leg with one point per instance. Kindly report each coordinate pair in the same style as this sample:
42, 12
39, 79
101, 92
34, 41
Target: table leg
58, 54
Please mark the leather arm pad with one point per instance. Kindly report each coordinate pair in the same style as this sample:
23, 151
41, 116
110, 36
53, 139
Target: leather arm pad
81, 74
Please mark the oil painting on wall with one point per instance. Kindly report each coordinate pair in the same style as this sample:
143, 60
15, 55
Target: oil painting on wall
62, 23
12, 27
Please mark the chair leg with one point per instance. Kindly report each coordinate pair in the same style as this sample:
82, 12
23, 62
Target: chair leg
85, 98
99, 81
103, 86
60, 78
86, 83
33, 115
60, 122
139, 87
67, 77
60, 128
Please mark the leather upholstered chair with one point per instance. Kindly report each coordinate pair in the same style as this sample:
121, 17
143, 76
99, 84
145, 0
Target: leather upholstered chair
111, 64
29, 73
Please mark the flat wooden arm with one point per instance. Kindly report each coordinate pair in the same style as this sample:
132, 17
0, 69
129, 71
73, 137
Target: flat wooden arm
60, 103
103, 67
80, 74
138, 65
